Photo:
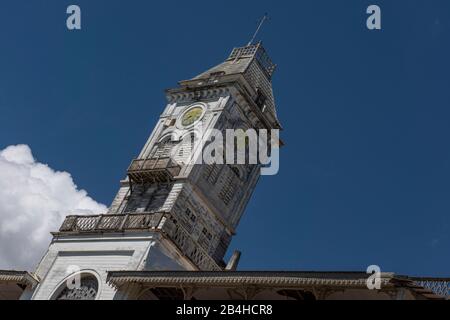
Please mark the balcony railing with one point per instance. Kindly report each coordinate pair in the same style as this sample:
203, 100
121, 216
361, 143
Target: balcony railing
111, 223
159, 222
153, 170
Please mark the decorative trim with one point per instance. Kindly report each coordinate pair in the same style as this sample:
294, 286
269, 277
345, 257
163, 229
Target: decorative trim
20, 277
214, 279
196, 94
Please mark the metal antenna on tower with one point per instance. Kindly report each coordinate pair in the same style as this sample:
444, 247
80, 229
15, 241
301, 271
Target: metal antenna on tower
261, 22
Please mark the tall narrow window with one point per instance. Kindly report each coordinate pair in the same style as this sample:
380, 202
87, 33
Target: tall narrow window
212, 172
163, 149
186, 148
229, 188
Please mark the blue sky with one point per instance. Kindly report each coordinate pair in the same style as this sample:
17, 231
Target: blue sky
365, 173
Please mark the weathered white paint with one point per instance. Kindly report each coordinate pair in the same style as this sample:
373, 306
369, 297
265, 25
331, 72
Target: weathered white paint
100, 254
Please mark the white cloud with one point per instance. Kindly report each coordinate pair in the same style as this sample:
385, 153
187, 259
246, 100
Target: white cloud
34, 199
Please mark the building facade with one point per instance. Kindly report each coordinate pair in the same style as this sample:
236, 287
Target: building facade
169, 227
171, 213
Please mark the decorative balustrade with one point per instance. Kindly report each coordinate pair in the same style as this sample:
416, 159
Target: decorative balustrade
162, 222
111, 223
153, 170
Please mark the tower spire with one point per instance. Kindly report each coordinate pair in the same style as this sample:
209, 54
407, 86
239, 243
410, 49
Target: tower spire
261, 22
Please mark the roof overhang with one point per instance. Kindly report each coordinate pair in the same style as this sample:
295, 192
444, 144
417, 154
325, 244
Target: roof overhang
239, 279
19, 277
426, 288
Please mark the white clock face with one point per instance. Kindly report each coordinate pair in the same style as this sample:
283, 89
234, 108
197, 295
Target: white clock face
192, 116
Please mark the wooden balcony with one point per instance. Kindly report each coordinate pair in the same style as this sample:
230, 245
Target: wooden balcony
111, 223
141, 222
153, 170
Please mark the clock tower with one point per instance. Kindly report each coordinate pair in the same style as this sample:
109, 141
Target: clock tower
172, 212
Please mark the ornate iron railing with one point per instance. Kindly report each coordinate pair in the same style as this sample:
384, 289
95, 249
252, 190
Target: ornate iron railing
153, 170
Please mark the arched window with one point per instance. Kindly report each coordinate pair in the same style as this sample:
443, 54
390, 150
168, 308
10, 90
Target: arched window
87, 289
163, 149
185, 148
